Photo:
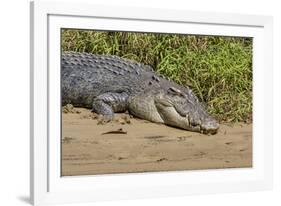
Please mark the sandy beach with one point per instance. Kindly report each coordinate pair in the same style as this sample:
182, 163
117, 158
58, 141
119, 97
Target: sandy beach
133, 145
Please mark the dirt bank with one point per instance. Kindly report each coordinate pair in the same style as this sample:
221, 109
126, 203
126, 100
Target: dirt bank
134, 145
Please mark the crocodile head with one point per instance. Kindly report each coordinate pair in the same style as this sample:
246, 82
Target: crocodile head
179, 107
175, 106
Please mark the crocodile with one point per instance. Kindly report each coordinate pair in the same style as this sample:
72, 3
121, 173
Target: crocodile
109, 84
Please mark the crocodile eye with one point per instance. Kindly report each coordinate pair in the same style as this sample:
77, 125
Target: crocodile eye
175, 91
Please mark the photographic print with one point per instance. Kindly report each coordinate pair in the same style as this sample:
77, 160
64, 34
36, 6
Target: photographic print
151, 102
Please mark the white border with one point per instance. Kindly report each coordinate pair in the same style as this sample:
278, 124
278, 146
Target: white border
47, 18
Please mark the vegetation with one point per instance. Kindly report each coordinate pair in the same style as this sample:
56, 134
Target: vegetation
217, 69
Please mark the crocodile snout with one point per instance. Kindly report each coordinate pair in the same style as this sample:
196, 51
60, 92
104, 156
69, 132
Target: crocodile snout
210, 126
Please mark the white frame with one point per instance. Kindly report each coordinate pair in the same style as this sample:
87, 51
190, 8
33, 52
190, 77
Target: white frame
47, 18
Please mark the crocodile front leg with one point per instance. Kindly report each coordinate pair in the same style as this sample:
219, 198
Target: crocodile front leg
108, 103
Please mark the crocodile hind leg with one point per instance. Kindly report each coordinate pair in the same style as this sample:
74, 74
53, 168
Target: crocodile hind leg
108, 103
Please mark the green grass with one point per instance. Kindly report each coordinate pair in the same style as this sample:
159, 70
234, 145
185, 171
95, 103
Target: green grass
217, 69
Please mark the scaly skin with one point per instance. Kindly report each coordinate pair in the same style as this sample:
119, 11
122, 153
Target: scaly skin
109, 84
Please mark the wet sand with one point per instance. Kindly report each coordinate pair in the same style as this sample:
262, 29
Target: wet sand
134, 145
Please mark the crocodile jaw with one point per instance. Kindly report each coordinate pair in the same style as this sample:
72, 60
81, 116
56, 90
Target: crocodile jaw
144, 108
170, 116
159, 110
